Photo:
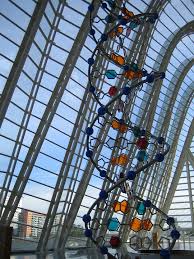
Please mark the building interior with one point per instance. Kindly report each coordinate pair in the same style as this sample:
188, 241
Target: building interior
96, 129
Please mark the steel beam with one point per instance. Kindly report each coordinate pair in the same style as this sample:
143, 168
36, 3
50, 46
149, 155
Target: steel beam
59, 187
21, 57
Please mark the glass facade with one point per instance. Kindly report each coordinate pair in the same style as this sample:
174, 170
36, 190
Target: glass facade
47, 183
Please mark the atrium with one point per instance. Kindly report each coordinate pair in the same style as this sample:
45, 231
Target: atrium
96, 129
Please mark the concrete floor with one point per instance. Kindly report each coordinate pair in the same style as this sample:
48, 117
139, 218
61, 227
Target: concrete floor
92, 254
71, 254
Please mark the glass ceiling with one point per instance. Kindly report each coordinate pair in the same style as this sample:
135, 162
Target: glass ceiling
46, 180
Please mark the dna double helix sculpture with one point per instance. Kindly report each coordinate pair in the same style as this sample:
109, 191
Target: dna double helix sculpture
125, 149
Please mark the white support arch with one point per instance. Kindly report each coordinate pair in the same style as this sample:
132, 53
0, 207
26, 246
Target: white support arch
179, 168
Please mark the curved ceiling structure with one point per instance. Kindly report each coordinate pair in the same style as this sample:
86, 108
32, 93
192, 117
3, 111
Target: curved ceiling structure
46, 181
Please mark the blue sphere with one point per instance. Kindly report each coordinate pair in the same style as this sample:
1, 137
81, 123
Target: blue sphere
90, 61
126, 90
86, 218
150, 78
91, 7
147, 203
143, 132
102, 110
92, 89
155, 15
89, 153
89, 131
160, 140
92, 32
104, 37
159, 157
104, 5
126, 67
123, 21
175, 234
103, 173
145, 72
108, 19
103, 195
170, 221
88, 233
151, 20
165, 253
104, 250
121, 121
131, 175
